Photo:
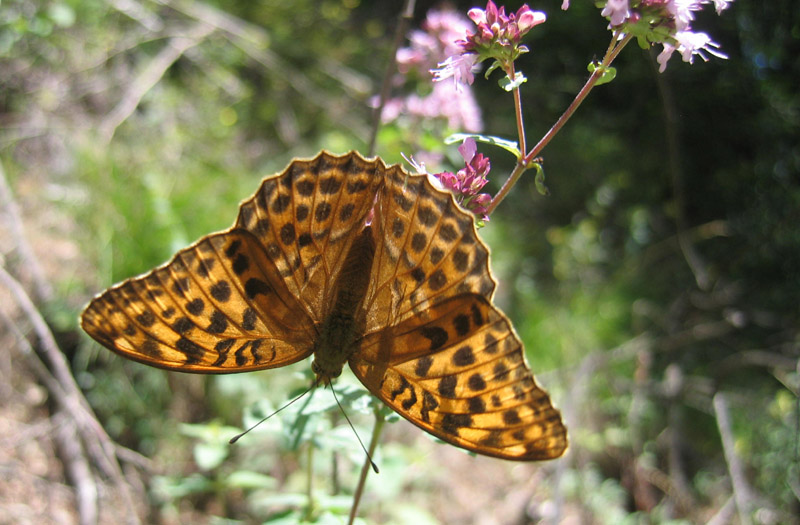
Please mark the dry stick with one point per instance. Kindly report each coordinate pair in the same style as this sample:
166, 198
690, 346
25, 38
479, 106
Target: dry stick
725, 514
67, 394
149, 77
78, 471
136, 11
674, 156
253, 41
71, 453
741, 489
44, 292
391, 64
673, 388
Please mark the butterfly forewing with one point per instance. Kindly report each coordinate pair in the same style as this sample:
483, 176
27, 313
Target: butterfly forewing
218, 306
458, 372
428, 251
307, 219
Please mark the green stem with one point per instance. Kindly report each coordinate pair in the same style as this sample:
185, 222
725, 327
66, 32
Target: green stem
310, 483
373, 444
523, 163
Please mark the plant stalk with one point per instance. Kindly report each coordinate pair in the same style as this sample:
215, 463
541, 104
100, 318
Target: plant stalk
373, 444
524, 162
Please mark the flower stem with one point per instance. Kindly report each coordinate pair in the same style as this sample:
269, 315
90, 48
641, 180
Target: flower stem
518, 109
376, 433
523, 163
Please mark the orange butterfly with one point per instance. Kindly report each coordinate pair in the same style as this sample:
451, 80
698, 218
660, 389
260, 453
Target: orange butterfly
350, 261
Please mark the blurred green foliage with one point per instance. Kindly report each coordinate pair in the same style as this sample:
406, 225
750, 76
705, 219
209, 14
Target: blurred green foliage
632, 328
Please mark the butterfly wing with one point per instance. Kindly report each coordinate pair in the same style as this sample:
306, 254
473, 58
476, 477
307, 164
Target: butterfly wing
428, 251
458, 372
218, 306
435, 349
254, 296
308, 217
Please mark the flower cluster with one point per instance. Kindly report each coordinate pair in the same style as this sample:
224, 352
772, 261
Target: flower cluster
497, 28
437, 40
466, 184
663, 21
497, 37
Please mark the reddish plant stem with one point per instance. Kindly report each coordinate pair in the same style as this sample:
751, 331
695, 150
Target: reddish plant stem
518, 108
524, 162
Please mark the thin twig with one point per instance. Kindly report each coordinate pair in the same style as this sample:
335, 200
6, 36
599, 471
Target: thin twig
391, 64
44, 292
741, 489
138, 12
253, 41
77, 469
674, 155
523, 145
149, 77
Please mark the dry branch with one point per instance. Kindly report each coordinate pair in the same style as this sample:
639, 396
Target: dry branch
741, 489
252, 41
41, 286
55, 375
149, 77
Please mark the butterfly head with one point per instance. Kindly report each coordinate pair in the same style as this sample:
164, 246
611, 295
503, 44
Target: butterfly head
324, 375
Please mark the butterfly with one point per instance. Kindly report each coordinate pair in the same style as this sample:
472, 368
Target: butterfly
351, 261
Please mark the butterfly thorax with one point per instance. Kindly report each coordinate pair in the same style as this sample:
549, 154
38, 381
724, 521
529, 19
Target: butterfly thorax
344, 325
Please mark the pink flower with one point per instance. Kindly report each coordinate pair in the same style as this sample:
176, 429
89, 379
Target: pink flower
457, 107
495, 27
497, 37
689, 45
460, 67
469, 180
721, 5
448, 100
617, 11
667, 22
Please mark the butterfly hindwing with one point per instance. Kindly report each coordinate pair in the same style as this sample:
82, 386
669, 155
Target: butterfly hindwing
457, 370
218, 306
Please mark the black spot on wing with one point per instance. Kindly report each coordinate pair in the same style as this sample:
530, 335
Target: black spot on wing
464, 356
437, 336
423, 366
221, 291
255, 286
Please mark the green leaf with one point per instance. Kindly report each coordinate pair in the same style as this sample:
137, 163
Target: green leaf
172, 488
510, 85
209, 456
491, 68
62, 14
539, 180
608, 73
247, 479
508, 145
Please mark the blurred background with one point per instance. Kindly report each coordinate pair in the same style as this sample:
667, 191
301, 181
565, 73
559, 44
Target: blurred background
656, 288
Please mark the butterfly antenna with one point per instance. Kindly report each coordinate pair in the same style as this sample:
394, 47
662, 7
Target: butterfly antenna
374, 466
235, 438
